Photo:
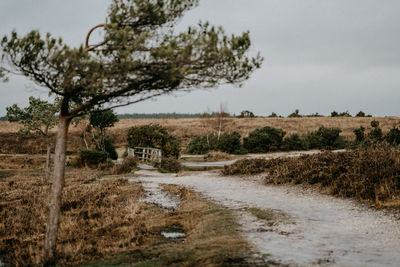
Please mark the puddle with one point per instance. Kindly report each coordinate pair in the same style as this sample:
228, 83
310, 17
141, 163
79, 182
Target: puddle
173, 232
171, 235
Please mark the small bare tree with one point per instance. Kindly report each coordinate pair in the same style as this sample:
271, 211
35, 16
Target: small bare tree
39, 117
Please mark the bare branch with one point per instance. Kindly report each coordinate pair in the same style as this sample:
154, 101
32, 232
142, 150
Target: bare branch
90, 48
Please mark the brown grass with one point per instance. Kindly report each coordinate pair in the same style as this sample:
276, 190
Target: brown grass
104, 223
186, 129
368, 174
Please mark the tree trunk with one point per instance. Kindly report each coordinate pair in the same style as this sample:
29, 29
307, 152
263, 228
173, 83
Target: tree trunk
49, 249
48, 159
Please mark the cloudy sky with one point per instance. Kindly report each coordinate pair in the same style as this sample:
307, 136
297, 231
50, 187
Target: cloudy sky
320, 55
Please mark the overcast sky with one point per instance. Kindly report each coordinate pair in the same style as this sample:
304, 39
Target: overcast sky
320, 55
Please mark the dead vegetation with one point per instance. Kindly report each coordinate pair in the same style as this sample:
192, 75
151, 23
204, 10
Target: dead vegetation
368, 174
104, 223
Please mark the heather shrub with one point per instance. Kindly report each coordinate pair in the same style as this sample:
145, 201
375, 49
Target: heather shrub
170, 165
368, 174
127, 165
154, 136
91, 158
264, 140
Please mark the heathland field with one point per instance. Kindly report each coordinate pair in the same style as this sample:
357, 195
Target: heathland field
187, 129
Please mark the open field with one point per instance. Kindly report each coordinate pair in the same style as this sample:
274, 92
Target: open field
186, 129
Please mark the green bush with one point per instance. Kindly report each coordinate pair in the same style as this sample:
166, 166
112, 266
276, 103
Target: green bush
202, 144
295, 114
360, 134
325, 138
230, 143
293, 142
264, 140
92, 158
376, 134
110, 148
155, 136
393, 136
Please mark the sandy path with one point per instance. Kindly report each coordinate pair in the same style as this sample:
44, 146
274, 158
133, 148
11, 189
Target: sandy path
322, 230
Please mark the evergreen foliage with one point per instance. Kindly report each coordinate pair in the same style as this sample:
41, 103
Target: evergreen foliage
154, 136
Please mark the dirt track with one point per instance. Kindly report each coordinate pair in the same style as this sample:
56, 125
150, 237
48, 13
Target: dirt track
309, 228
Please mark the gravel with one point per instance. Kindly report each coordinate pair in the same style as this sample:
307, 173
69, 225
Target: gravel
323, 230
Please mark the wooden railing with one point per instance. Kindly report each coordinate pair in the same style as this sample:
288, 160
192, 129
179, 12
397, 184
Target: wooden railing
146, 154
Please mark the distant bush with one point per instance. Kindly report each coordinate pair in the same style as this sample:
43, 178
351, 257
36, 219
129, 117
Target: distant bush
293, 142
273, 115
246, 114
264, 140
325, 138
360, 134
393, 136
155, 136
342, 114
295, 114
128, 164
230, 143
360, 114
170, 165
202, 144
376, 134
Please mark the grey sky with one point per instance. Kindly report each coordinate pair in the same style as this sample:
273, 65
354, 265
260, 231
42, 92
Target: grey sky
320, 55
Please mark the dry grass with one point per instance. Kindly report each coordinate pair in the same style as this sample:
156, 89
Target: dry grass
368, 174
186, 129
104, 223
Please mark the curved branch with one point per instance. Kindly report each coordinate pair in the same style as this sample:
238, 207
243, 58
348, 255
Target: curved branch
90, 48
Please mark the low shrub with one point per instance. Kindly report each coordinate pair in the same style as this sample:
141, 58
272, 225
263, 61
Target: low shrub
127, 165
264, 140
249, 166
325, 138
217, 156
368, 174
170, 165
90, 158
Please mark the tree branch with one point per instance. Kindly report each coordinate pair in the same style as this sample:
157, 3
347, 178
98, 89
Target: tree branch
91, 48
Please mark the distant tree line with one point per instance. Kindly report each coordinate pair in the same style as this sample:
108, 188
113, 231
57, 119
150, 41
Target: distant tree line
159, 116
